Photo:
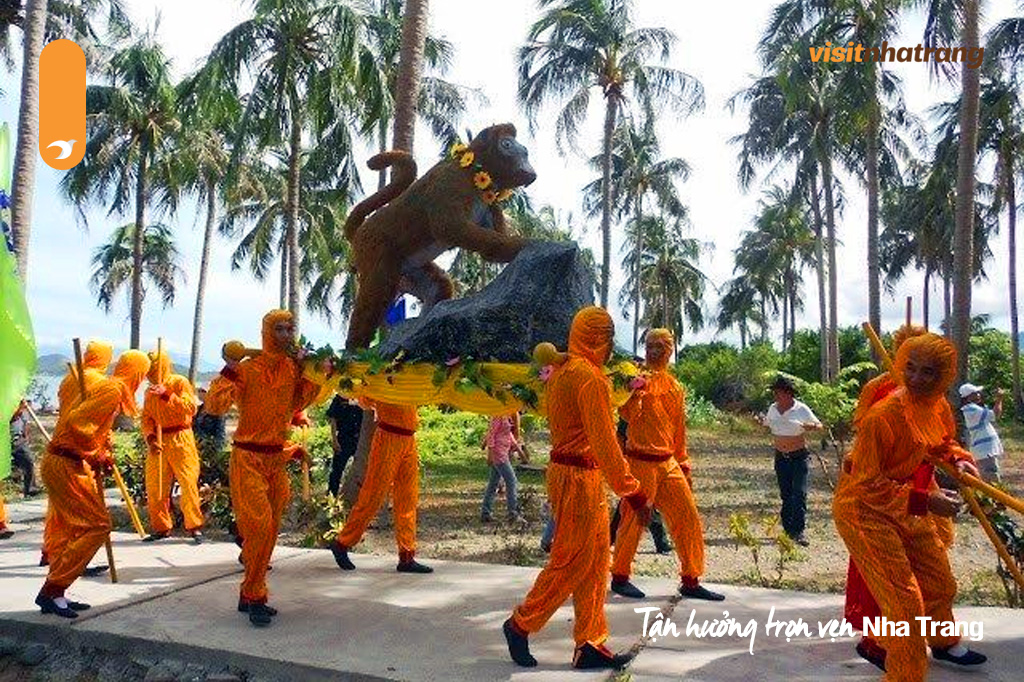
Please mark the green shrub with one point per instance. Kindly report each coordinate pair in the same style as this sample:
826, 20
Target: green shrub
730, 379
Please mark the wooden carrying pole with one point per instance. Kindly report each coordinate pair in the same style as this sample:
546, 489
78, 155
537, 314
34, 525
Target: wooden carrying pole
80, 368
159, 428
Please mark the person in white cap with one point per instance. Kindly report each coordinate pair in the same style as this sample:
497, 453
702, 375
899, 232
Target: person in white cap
985, 444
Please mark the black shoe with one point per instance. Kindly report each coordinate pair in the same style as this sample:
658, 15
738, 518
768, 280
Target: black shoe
700, 592
259, 615
968, 659
78, 606
93, 571
875, 655
800, 540
197, 537
244, 606
6, 533
48, 605
627, 589
412, 566
153, 537
341, 557
518, 646
589, 657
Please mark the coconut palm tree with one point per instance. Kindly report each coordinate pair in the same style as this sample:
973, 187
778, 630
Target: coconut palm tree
739, 308
202, 157
671, 282
41, 22
127, 163
114, 265
578, 45
300, 56
638, 172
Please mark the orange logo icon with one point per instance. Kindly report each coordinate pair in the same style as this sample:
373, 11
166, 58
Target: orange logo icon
62, 104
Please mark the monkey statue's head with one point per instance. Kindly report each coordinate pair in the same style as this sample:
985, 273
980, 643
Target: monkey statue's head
503, 157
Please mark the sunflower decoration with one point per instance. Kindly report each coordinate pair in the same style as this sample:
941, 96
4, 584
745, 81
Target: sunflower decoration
466, 160
482, 180
457, 150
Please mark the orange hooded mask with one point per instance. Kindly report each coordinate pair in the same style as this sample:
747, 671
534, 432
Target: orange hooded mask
159, 367
98, 356
270, 344
131, 368
591, 335
665, 342
925, 411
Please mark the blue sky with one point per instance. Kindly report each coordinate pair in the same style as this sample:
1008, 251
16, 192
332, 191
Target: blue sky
716, 44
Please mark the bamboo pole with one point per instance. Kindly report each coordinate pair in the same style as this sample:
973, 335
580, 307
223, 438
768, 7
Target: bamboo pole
304, 439
159, 428
80, 367
910, 310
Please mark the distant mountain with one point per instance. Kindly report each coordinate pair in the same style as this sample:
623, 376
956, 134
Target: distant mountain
53, 361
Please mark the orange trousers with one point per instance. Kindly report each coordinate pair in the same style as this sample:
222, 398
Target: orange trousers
578, 564
667, 485
3, 512
181, 462
393, 465
260, 491
76, 509
907, 571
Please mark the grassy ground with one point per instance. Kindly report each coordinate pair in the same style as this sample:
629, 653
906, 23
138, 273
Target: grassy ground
733, 477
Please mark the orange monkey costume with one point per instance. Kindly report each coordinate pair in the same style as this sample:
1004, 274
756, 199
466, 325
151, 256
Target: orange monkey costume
269, 390
173, 410
4, 532
656, 450
393, 465
584, 447
79, 446
883, 515
95, 362
859, 602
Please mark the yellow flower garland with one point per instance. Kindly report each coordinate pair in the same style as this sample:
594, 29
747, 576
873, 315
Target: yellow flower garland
466, 158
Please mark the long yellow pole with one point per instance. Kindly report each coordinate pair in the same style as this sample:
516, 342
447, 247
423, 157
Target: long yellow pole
159, 428
80, 368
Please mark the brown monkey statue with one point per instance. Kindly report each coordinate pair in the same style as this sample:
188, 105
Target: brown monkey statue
397, 232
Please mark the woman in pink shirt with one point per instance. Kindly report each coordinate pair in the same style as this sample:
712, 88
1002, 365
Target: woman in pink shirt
499, 442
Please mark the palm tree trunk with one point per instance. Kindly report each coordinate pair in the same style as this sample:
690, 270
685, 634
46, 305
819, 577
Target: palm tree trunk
410, 69
785, 310
764, 320
204, 262
292, 219
137, 242
963, 240
611, 108
743, 335
283, 297
874, 291
636, 274
925, 297
27, 146
833, 295
382, 145
792, 309
947, 304
819, 267
1011, 205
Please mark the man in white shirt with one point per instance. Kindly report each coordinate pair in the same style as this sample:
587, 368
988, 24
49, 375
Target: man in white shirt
789, 419
985, 444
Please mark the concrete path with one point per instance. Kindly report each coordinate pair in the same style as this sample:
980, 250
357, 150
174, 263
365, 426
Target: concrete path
178, 600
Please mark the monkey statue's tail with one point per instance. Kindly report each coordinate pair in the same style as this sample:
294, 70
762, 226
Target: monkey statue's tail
403, 174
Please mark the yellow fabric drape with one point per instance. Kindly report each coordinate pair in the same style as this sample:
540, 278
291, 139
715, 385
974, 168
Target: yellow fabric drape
413, 384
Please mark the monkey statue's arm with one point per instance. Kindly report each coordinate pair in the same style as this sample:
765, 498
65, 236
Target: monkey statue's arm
498, 219
493, 246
